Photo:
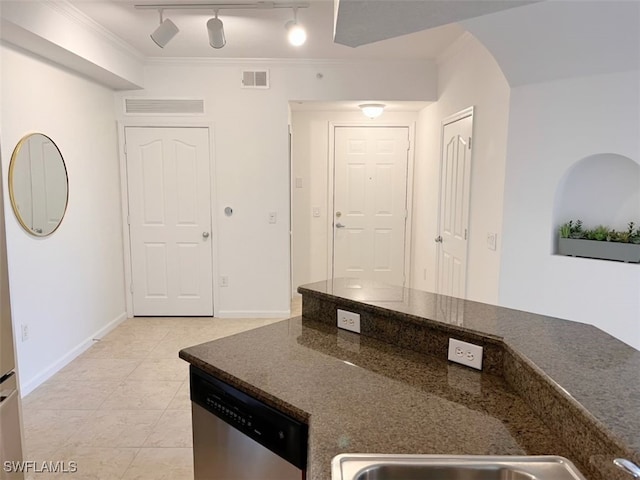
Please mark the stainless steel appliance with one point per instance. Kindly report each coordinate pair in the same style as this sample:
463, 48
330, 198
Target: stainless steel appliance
10, 426
237, 437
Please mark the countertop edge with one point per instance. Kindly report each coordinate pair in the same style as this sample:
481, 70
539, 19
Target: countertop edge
503, 342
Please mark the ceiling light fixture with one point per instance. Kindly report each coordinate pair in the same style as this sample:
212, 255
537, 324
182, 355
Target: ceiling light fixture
372, 110
167, 29
296, 34
216, 32
165, 32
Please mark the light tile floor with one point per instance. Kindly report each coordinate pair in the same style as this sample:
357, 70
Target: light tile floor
121, 410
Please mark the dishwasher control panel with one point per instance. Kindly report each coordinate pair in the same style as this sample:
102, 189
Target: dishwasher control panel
232, 414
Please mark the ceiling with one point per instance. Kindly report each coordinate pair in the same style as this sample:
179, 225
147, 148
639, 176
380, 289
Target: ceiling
256, 33
361, 22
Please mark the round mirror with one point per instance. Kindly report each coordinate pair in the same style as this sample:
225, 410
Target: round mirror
38, 184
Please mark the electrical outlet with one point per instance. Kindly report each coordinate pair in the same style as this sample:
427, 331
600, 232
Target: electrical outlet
349, 321
465, 353
224, 281
25, 332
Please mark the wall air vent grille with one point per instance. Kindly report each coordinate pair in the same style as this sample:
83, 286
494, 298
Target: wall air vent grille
255, 79
163, 106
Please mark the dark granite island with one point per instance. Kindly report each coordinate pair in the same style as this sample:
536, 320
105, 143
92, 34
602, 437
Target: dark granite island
391, 390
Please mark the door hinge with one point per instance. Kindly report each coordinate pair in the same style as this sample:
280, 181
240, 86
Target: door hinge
406, 214
131, 287
469, 143
128, 219
408, 145
125, 148
465, 233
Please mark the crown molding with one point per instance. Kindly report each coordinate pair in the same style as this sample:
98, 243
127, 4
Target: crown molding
295, 62
65, 8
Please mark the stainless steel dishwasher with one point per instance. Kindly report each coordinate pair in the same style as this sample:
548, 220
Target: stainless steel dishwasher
237, 437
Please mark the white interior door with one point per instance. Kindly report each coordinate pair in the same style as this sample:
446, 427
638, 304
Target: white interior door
455, 178
170, 221
370, 203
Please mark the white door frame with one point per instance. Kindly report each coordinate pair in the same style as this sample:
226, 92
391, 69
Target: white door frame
330, 190
469, 111
124, 192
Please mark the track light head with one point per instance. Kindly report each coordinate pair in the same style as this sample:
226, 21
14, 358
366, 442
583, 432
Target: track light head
162, 35
165, 32
296, 34
216, 32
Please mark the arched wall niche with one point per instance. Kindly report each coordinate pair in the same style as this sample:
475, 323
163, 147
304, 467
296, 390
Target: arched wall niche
601, 189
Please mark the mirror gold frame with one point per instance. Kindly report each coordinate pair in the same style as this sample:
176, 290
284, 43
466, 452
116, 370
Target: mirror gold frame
38, 184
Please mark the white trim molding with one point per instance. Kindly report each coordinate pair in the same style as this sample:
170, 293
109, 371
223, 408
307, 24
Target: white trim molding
80, 18
63, 361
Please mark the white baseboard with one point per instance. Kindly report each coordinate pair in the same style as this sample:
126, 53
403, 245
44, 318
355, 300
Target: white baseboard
253, 314
51, 370
110, 326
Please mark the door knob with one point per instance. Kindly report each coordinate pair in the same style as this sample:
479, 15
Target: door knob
205, 234
438, 239
339, 225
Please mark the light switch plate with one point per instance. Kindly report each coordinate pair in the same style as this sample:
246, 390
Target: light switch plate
465, 353
492, 240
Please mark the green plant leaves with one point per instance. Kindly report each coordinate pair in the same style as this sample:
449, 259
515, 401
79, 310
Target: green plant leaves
600, 233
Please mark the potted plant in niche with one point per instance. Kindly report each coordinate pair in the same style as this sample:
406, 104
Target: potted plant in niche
600, 242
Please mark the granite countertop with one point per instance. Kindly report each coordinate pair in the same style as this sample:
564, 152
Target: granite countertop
358, 394
597, 370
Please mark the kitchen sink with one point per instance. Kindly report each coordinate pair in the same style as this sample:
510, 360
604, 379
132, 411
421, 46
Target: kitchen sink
451, 467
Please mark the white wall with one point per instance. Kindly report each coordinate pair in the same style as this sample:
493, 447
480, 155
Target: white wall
602, 189
60, 32
547, 41
251, 156
68, 288
467, 76
552, 126
310, 246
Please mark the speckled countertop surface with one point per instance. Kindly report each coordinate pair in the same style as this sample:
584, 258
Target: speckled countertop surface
358, 394
600, 372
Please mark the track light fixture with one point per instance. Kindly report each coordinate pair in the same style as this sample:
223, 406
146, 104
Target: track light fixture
296, 34
162, 35
372, 110
216, 32
165, 32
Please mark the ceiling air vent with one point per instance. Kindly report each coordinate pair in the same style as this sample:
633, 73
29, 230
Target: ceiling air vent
255, 79
163, 106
